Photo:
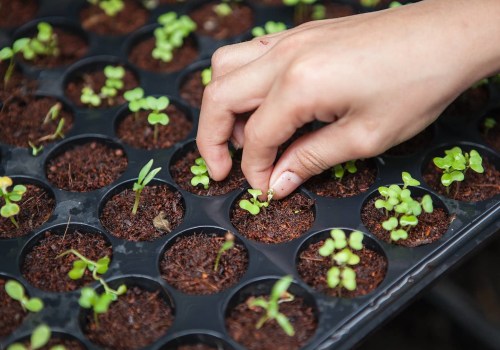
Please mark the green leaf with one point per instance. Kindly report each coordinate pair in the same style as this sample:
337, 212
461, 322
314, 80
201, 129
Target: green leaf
254, 193
448, 178
285, 324
6, 53
327, 248
408, 180
338, 171
258, 31
40, 336
384, 191
79, 267
408, 220
134, 94
34, 305
399, 234
440, 163
339, 238
333, 277
103, 265
9, 209
427, 204
151, 175
122, 289
58, 347
17, 346
251, 208
342, 257
280, 288
390, 224
353, 259
200, 180
158, 118
401, 208
350, 166
349, 279
144, 171
87, 297
102, 303
117, 72
14, 289
198, 169
356, 240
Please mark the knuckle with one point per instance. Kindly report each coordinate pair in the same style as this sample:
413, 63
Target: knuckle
218, 60
309, 161
370, 141
211, 91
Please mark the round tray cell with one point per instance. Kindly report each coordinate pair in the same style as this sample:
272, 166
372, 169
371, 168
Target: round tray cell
197, 342
414, 145
476, 187
239, 20
140, 49
489, 128
85, 164
191, 85
134, 320
313, 267
180, 169
20, 11
48, 258
431, 226
241, 319
131, 17
69, 44
35, 208
95, 77
29, 119
202, 261
56, 339
18, 84
160, 211
135, 129
12, 313
347, 184
282, 221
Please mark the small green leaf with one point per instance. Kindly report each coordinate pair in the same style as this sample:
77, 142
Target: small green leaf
384, 191
14, 289
254, 193
349, 279
6, 53
9, 209
356, 240
122, 289
17, 346
408, 220
390, 224
158, 118
102, 265
151, 175
399, 234
79, 267
102, 303
333, 277
251, 208
427, 204
40, 336
408, 180
338, 171
87, 297
144, 171
34, 305
339, 238
200, 180
280, 288
285, 324
327, 248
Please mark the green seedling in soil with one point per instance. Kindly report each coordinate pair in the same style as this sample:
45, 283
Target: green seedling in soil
57, 133
39, 338
43, 44
15, 290
10, 208
35, 150
9, 53
171, 35
270, 27
300, 8
110, 7
254, 204
339, 170
135, 98
114, 83
145, 177
53, 112
228, 244
200, 172
156, 117
488, 124
97, 268
455, 164
338, 248
223, 9
279, 294
401, 209
51, 115
206, 76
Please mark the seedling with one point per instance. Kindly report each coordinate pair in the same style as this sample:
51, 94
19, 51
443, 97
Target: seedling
39, 338
53, 112
15, 290
455, 164
270, 27
9, 53
405, 210
301, 8
206, 76
279, 294
10, 209
35, 150
200, 172
171, 35
253, 205
43, 44
339, 170
135, 100
156, 117
57, 133
338, 247
488, 124
110, 7
369, 3
114, 83
80, 266
228, 244
223, 9
145, 177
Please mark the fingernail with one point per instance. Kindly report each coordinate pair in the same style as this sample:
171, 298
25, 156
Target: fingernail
286, 183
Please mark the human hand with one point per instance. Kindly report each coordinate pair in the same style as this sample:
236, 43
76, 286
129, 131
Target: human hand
376, 79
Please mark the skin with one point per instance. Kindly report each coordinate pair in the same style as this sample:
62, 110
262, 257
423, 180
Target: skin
374, 79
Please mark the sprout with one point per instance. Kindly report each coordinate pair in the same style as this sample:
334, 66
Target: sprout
171, 35
114, 82
338, 248
338, 171
53, 112
57, 133
89, 97
135, 100
155, 117
90, 299
223, 9
318, 12
145, 177
206, 76
110, 7
228, 244
43, 44
488, 124
278, 295
369, 3
10, 209
200, 172
270, 27
35, 150
39, 338
15, 290
253, 205
8, 53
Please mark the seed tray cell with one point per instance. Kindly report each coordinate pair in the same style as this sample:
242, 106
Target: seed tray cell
341, 322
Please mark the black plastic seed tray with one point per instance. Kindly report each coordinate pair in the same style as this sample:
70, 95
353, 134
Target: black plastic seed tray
342, 322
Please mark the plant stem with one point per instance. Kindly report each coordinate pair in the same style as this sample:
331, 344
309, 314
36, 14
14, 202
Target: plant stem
14, 221
155, 133
136, 203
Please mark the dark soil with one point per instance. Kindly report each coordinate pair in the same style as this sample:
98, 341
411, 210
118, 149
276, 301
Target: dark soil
333, 10
212, 25
17, 86
140, 55
282, 221
118, 219
19, 12
181, 173
22, 120
96, 80
130, 18
469, 102
241, 326
411, 146
135, 320
11, 312
44, 270
70, 344
475, 187
370, 271
189, 264
351, 184
36, 206
430, 227
138, 133
492, 136
72, 47
192, 89
86, 167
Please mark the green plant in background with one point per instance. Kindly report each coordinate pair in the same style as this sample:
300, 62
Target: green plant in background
110, 7
9, 53
369, 3
51, 116
339, 170
15, 290
135, 100
227, 245
171, 35
39, 338
270, 27
43, 44
206, 76
318, 12
200, 172
35, 150
401, 209
488, 124
114, 82
10, 209
455, 164
254, 204
338, 248
300, 8
145, 177
82, 264
223, 9
279, 294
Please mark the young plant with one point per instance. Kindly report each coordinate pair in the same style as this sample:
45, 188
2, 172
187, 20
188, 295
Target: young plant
135, 98
279, 294
488, 124
206, 76
401, 209
228, 244
35, 150
254, 204
114, 83
10, 208
171, 35
15, 290
200, 172
455, 164
39, 338
110, 7
57, 133
9, 53
300, 8
223, 9
338, 171
270, 27
156, 117
53, 112
338, 248
145, 177
43, 44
